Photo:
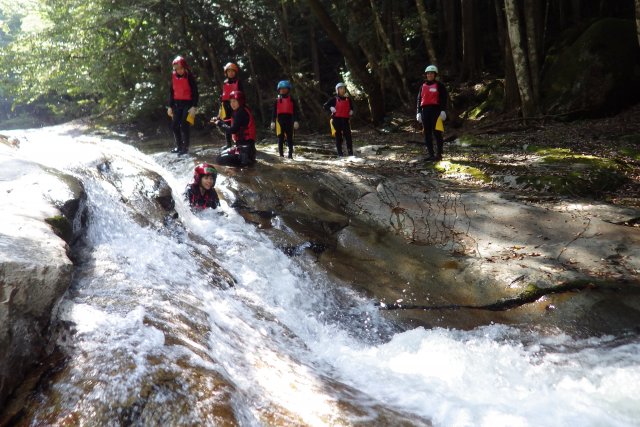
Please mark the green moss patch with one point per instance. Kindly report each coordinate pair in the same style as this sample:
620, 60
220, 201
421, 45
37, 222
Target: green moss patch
454, 169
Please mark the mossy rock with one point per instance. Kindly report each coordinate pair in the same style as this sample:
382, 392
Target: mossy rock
492, 96
473, 141
596, 73
574, 183
450, 168
630, 152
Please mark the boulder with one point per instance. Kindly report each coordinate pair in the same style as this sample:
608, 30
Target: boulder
595, 72
35, 270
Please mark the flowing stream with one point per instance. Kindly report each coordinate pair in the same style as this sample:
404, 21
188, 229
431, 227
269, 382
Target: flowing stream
152, 332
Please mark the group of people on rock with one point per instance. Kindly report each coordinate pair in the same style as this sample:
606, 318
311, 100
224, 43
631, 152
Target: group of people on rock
236, 120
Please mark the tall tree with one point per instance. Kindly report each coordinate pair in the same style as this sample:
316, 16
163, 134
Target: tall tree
523, 75
638, 19
394, 56
531, 28
426, 31
451, 15
470, 57
356, 65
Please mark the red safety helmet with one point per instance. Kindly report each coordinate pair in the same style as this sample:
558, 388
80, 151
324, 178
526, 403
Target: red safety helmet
180, 60
231, 66
204, 169
239, 95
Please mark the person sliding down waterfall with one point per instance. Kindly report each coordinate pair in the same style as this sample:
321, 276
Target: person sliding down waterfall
341, 109
285, 117
183, 100
243, 133
201, 193
432, 103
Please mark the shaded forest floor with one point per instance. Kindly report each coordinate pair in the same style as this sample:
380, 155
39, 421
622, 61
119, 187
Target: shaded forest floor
591, 158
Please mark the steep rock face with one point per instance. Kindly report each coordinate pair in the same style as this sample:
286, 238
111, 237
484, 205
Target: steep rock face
595, 71
37, 208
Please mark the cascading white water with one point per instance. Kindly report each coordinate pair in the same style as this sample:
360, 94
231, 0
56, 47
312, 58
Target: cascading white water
292, 346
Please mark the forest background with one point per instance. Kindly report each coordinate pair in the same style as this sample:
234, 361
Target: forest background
63, 59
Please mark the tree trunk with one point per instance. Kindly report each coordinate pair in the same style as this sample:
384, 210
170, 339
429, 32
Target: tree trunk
638, 19
519, 58
354, 62
511, 92
450, 9
470, 67
395, 58
315, 57
502, 34
426, 31
254, 77
530, 13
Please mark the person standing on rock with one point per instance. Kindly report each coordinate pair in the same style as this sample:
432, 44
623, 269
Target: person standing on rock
231, 84
432, 103
242, 131
284, 118
183, 100
201, 193
341, 109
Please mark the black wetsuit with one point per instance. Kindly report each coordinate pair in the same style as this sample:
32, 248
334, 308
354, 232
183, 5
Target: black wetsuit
430, 115
285, 121
244, 151
341, 125
180, 108
196, 199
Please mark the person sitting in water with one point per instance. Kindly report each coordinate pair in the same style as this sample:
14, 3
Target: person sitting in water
243, 133
200, 193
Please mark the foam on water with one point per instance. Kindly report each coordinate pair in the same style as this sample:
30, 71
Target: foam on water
288, 336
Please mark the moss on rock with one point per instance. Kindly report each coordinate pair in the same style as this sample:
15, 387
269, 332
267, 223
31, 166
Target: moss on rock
603, 56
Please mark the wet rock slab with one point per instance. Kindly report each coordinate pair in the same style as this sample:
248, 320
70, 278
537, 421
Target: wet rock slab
34, 267
399, 233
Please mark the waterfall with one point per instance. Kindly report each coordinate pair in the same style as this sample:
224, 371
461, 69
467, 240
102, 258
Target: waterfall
204, 320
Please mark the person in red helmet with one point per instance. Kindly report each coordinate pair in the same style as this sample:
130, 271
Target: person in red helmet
231, 84
201, 193
242, 130
183, 100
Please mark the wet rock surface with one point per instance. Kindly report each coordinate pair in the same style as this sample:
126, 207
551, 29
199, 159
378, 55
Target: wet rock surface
407, 233
38, 211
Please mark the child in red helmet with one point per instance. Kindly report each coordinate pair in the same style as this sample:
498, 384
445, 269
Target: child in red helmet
200, 193
231, 83
242, 130
183, 100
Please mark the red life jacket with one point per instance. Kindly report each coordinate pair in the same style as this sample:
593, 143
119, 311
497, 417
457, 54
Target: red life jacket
181, 87
343, 106
227, 88
249, 132
198, 200
429, 94
284, 105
